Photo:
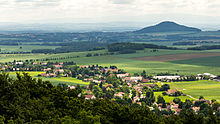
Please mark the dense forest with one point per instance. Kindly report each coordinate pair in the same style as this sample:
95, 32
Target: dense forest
184, 43
132, 47
205, 47
28, 100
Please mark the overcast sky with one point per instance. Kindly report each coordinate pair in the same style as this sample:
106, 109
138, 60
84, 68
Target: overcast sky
150, 11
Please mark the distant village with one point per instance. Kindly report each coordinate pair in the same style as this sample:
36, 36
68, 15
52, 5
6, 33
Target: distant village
118, 85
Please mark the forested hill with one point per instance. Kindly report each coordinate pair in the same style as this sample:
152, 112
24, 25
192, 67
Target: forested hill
167, 27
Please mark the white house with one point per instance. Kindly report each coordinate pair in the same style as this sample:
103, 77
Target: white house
166, 77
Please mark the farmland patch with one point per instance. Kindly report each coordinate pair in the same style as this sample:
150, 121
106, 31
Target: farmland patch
175, 57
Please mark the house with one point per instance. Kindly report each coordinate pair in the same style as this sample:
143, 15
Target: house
52, 75
43, 74
139, 103
144, 80
209, 75
103, 81
133, 79
111, 70
203, 100
89, 92
151, 85
58, 66
87, 87
136, 99
178, 111
120, 94
85, 66
48, 69
72, 87
34, 63
43, 63
88, 79
174, 107
108, 85
61, 70
96, 81
172, 91
19, 63
166, 77
195, 109
89, 96
123, 75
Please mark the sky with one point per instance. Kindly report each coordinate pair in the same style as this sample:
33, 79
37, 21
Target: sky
97, 11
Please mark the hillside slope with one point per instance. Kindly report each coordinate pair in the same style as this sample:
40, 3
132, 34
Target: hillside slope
167, 27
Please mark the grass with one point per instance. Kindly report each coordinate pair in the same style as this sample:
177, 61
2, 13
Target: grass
199, 65
170, 98
206, 61
208, 89
55, 80
71, 80
25, 48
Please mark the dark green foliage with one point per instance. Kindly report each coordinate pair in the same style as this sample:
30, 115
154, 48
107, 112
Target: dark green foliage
27, 100
160, 99
205, 47
131, 47
165, 87
9, 43
184, 43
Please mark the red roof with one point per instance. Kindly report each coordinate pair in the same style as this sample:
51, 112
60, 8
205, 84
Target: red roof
145, 80
178, 110
172, 90
89, 96
108, 85
88, 91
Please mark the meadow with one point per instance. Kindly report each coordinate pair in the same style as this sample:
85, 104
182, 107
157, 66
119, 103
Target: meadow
24, 48
54, 80
208, 89
123, 61
170, 98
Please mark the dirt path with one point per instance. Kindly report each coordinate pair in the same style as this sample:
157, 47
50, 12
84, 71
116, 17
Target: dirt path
166, 58
191, 97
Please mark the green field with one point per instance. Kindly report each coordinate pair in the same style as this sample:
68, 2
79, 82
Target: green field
54, 81
192, 66
24, 48
170, 98
208, 89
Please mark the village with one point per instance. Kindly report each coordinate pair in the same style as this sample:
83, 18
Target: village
118, 85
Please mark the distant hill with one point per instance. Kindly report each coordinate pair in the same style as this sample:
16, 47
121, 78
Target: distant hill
167, 27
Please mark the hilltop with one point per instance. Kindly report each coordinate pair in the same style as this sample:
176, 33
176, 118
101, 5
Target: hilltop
167, 26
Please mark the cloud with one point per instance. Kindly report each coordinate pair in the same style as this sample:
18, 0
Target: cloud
38, 3
105, 10
121, 1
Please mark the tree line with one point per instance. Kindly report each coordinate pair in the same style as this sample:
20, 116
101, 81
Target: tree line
132, 47
205, 47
